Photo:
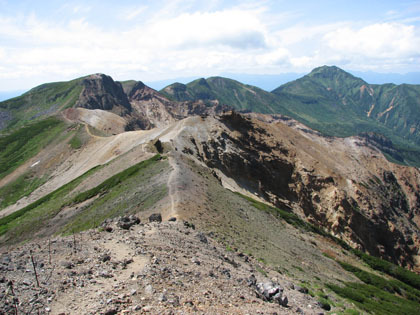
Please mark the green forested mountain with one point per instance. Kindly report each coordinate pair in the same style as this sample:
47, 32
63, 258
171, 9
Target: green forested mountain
228, 92
338, 96
329, 100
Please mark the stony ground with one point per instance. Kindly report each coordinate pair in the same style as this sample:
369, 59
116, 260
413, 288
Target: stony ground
153, 268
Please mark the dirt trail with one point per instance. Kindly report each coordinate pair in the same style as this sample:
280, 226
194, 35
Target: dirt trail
172, 186
90, 133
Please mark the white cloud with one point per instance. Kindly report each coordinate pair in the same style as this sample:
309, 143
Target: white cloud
171, 43
384, 40
235, 28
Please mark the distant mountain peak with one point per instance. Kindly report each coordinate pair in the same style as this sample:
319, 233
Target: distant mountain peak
331, 72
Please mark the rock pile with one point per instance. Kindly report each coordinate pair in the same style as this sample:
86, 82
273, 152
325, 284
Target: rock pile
152, 268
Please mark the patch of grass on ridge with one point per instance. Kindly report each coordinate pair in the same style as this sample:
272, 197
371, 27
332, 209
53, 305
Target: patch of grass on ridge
24, 143
31, 218
115, 180
21, 187
389, 268
406, 277
76, 142
128, 192
8, 222
378, 295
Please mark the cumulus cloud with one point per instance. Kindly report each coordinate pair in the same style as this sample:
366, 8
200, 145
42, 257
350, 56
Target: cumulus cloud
384, 40
174, 42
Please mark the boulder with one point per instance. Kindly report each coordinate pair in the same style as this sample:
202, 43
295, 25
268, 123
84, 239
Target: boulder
271, 292
155, 217
127, 222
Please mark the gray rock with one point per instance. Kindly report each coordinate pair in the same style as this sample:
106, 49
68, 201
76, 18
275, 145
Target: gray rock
252, 281
105, 258
268, 291
189, 225
284, 300
66, 264
148, 289
301, 289
106, 274
127, 222
202, 237
155, 217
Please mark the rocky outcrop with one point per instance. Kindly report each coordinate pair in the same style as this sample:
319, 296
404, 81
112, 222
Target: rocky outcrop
102, 92
382, 143
342, 185
151, 109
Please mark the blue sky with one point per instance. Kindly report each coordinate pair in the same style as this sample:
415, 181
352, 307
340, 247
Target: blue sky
44, 41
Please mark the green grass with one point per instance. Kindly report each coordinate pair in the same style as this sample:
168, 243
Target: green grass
32, 216
378, 295
120, 195
374, 300
115, 180
389, 268
117, 195
24, 143
42, 101
406, 283
391, 286
21, 187
76, 142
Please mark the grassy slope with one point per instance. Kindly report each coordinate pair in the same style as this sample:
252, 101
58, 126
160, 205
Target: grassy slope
41, 101
21, 187
19, 146
228, 92
126, 192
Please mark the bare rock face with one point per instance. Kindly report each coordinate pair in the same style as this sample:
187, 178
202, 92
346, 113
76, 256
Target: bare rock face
102, 92
343, 185
151, 109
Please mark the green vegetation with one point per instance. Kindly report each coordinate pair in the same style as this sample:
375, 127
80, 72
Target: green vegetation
31, 216
294, 220
261, 271
76, 142
129, 191
41, 102
115, 180
395, 271
378, 295
21, 187
24, 143
228, 92
392, 286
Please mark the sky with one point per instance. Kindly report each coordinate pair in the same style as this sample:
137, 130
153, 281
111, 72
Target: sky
45, 41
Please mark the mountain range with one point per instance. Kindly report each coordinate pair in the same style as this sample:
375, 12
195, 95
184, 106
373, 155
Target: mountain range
329, 100
298, 185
